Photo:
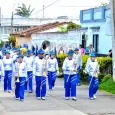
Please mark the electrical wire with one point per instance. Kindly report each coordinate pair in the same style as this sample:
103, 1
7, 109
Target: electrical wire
46, 7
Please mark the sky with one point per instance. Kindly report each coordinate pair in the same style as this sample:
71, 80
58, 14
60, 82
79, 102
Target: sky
69, 8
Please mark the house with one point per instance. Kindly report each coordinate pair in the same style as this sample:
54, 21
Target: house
96, 28
18, 24
48, 33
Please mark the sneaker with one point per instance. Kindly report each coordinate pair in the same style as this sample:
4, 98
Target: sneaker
91, 98
22, 100
67, 98
38, 98
17, 98
43, 98
30, 91
25, 90
9, 91
74, 98
94, 96
78, 84
53, 88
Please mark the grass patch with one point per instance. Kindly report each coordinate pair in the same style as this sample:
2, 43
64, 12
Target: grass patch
108, 86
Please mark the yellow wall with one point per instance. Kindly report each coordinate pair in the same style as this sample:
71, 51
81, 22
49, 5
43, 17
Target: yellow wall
26, 40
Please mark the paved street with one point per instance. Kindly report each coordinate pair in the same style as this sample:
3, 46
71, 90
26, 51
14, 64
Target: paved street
56, 104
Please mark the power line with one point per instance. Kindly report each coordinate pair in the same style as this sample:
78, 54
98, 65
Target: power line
46, 7
74, 6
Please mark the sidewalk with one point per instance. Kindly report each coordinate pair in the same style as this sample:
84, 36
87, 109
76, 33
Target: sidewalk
55, 103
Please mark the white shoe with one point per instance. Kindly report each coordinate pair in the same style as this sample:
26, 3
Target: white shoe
67, 98
53, 88
38, 98
74, 98
17, 98
94, 96
43, 98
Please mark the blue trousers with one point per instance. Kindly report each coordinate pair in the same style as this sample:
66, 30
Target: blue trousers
7, 80
0, 77
25, 86
89, 78
51, 79
40, 86
30, 82
93, 86
78, 77
19, 88
70, 85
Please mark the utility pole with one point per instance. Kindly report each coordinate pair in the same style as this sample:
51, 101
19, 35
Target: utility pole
112, 2
12, 19
43, 11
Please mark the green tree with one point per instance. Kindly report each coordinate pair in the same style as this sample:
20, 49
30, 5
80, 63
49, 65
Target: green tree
62, 29
104, 4
24, 11
12, 40
1, 43
72, 25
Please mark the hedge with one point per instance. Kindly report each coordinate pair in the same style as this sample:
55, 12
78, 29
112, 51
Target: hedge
104, 62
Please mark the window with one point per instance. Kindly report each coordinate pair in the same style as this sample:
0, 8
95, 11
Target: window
96, 42
95, 30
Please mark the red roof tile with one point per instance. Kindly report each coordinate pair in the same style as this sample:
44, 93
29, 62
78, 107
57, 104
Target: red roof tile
39, 28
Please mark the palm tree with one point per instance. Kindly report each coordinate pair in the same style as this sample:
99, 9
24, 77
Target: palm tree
23, 11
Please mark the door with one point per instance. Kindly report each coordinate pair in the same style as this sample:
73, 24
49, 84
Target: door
83, 41
96, 42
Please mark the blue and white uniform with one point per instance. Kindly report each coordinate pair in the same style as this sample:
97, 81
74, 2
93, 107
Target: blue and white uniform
52, 68
29, 64
1, 70
20, 72
38, 71
93, 70
70, 79
88, 61
8, 67
78, 61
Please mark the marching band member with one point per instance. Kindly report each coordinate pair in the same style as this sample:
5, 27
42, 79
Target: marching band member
29, 64
1, 69
17, 51
88, 61
8, 67
52, 67
20, 72
39, 72
70, 79
78, 58
93, 70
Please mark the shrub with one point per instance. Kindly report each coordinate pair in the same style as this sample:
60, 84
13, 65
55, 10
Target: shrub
107, 84
104, 62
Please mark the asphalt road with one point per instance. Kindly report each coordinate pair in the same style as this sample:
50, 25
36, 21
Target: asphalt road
55, 103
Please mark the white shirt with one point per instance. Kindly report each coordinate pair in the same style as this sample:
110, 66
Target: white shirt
92, 68
52, 65
68, 66
20, 69
29, 63
39, 66
1, 68
8, 64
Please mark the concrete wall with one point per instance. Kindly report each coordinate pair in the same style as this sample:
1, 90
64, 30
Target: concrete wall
68, 40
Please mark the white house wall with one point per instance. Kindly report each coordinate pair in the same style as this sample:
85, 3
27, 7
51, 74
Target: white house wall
68, 41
